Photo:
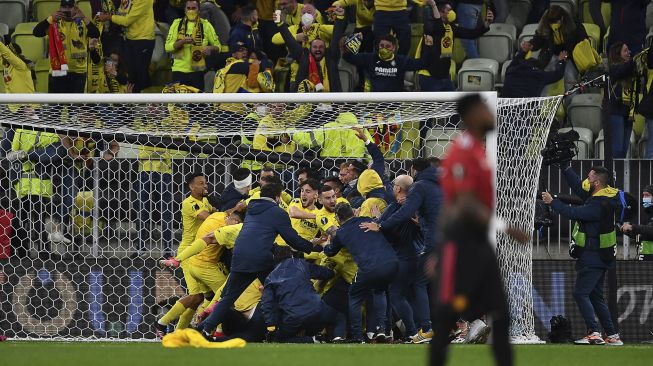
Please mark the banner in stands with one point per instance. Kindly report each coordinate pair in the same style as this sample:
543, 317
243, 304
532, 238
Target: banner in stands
120, 297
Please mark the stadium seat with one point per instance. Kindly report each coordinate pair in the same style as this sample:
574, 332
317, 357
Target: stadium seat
416, 33
346, 80
649, 38
160, 34
499, 43
649, 15
44, 8
42, 71
344, 65
13, 12
85, 6
459, 54
585, 111
594, 33
585, 142
569, 5
504, 68
4, 29
586, 17
225, 27
479, 74
280, 76
527, 33
438, 139
599, 146
518, 15
33, 47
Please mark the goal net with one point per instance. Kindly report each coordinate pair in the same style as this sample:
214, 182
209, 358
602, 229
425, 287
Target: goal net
91, 188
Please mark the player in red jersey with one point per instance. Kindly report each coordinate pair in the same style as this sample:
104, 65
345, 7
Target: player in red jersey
467, 280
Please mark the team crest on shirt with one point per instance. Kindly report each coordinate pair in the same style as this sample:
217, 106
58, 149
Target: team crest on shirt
324, 220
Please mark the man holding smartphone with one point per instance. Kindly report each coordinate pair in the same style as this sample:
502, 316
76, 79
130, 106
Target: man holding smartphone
74, 29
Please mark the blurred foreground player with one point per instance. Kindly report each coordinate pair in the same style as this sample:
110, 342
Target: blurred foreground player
467, 280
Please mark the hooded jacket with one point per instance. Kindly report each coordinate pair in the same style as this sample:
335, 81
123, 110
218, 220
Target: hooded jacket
525, 80
369, 249
371, 187
289, 296
263, 222
424, 198
406, 238
230, 197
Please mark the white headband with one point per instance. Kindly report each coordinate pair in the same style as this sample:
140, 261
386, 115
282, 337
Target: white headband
243, 183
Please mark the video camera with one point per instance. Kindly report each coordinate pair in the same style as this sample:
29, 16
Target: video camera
560, 148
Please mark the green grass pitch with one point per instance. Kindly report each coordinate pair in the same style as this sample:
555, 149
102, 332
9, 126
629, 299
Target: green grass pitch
13, 353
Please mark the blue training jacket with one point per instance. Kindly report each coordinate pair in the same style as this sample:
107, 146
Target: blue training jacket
289, 296
263, 222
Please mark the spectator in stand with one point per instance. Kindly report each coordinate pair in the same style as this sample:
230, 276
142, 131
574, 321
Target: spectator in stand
137, 18
622, 70
391, 15
16, 70
106, 76
68, 29
556, 32
292, 12
643, 233
190, 39
644, 82
526, 78
237, 190
439, 23
319, 64
245, 32
627, 22
111, 34
469, 16
306, 32
364, 19
538, 7
247, 71
385, 69
210, 10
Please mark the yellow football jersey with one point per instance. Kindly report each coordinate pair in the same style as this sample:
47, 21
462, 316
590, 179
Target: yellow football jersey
191, 223
212, 253
226, 236
342, 263
306, 228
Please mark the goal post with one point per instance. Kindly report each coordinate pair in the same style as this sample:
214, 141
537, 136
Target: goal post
92, 179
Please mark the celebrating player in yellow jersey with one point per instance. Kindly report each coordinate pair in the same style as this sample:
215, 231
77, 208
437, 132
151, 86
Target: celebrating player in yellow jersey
203, 272
302, 210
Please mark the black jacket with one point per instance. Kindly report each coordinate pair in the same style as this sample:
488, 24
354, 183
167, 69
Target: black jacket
525, 80
301, 55
230, 197
439, 66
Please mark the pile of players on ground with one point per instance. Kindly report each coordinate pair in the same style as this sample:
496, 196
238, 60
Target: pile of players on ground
294, 280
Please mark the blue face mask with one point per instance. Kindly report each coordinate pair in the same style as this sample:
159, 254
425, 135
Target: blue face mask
647, 202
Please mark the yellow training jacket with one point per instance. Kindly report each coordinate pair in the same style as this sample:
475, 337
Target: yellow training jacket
137, 16
336, 139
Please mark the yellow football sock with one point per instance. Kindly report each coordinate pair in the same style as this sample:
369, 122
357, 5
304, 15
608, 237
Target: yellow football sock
195, 247
173, 314
185, 319
203, 306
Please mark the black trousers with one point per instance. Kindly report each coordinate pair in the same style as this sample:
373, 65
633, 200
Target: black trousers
139, 55
71, 83
469, 285
194, 79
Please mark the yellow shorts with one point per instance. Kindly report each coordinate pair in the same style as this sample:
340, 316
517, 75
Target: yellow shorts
205, 278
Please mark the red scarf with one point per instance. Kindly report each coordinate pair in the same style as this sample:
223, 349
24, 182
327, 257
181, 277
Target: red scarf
313, 73
58, 61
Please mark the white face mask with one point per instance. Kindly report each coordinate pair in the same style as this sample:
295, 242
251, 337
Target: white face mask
307, 19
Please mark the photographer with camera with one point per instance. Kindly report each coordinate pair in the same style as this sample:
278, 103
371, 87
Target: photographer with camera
69, 30
593, 245
643, 233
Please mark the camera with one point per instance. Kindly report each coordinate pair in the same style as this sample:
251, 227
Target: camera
560, 148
